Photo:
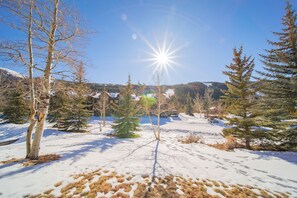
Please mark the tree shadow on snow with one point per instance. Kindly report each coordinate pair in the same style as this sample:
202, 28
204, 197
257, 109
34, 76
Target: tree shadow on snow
287, 156
53, 132
23, 169
99, 145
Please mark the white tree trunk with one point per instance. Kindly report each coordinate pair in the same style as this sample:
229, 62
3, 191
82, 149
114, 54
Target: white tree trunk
159, 108
32, 89
45, 97
34, 153
104, 109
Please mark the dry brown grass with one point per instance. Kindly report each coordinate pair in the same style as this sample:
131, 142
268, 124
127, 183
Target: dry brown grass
120, 195
48, 191
189, 139
58, 184
155, 187
224, 185
129, 178
42, 159
127, 187
120, 180
12, 160
220, 191
230, 144
216, 183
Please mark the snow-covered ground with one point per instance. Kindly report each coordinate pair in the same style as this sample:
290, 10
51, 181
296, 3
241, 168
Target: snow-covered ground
80, 153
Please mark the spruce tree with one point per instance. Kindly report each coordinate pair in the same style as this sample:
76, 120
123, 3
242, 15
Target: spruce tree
16, 109
207, 100
279, 80
127, 120
189, 106
75, 113
239, 98
59, 102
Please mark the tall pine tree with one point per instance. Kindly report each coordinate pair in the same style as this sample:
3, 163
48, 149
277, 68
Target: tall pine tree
239, 98
279, 80
126, 114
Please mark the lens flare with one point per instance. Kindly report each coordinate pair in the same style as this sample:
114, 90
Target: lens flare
162, 55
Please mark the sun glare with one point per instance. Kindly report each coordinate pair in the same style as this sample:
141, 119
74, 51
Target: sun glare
162, 55
162, 58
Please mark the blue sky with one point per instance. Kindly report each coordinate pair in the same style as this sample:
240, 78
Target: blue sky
204, 31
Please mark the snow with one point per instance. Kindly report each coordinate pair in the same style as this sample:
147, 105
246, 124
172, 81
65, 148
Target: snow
208, 84
113, 95
80, 153
169, 93
11, 72
96, 95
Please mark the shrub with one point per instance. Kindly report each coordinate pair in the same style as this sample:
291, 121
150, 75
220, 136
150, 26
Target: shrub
191, 138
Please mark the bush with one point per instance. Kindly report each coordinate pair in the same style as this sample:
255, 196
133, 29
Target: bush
231, 143
191, 138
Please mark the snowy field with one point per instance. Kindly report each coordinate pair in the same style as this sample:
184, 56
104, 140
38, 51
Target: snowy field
81, 153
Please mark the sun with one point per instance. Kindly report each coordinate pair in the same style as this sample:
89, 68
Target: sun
162, 55
162, 58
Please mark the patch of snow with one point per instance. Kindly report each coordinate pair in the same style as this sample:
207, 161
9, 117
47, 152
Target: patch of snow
113, 95
208, 84
11, 72
169, 93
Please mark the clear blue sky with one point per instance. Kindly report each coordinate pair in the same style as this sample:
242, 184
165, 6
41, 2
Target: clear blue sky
206, 31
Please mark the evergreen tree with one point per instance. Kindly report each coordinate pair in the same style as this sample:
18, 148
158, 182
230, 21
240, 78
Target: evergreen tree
189, 106
75, 113
16, 109
279, 80
126, 114
207, 100
239, 98
59, 102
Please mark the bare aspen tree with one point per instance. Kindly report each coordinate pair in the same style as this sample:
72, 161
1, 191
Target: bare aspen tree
32, 92
146, 104
198, 104
160, 101
18, 52
104, 106
101, 106
51, 30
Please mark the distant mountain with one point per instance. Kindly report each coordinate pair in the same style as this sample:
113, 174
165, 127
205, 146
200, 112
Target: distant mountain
194, 88
7, 74
181, 90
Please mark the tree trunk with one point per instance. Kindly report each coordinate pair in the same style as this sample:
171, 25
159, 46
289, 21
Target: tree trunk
100, 120
248, 143
34, 153
45, 97
159, 109
104, 108
151, 121
29, 136
32, 89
